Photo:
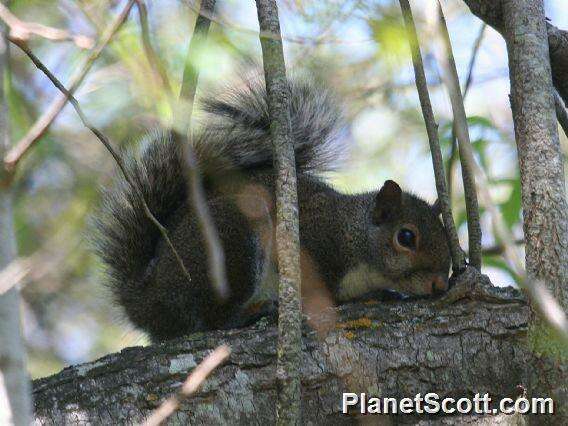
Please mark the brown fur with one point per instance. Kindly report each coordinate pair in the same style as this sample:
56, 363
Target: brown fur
346, 240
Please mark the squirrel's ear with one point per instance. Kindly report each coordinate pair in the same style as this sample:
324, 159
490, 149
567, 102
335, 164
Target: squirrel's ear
388, 202
437, 207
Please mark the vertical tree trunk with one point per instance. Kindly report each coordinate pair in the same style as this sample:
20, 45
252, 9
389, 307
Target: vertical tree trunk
545, 212
287, 228
15, 402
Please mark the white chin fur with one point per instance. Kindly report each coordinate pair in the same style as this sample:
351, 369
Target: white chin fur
360, 280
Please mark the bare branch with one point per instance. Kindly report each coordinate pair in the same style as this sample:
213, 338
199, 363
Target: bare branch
491, 12
473, 59
288, 410
498, 249
467, 159
458, 258
153, 58
182, 121
190, 72
467, 86
13, 273
104, 140
542, 299
190, 386
215, 253
226, 23
540, 296
20, 30
42, 124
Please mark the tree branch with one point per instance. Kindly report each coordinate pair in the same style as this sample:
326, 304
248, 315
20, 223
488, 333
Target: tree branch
21, 30
153, 58
39, 128
190, 71
499, 249
190, 386
458, 258
104, 140
491, 12
226, 23
288, 410
545, 211
182, 122
364, 352
467, 86
467, 159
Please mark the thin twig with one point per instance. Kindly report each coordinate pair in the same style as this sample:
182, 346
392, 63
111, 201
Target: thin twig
215, 253
226, 23
190, 386
561, 113
104, 140
153, 58
14, 273
42, 124
473, 59
499, 249
183, 114
467, 159
288, 405
458, 258
24, 30
468, 82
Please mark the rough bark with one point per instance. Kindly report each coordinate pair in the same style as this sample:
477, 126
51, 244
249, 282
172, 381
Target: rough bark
473, 340
545, 211
491, 12
15, 403
287, 227
543, 192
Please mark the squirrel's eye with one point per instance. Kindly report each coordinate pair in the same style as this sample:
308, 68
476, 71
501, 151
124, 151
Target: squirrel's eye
406, 238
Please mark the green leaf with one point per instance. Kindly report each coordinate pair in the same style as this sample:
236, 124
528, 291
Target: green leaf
511, 209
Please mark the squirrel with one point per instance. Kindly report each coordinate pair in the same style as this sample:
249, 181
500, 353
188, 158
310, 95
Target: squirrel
351, 244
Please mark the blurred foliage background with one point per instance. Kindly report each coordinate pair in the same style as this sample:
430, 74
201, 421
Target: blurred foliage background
357, 47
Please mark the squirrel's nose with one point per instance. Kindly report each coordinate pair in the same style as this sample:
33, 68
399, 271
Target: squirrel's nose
439, 284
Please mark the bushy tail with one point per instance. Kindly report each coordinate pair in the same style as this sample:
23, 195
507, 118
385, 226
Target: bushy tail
236, 127
233, 133
124, 238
